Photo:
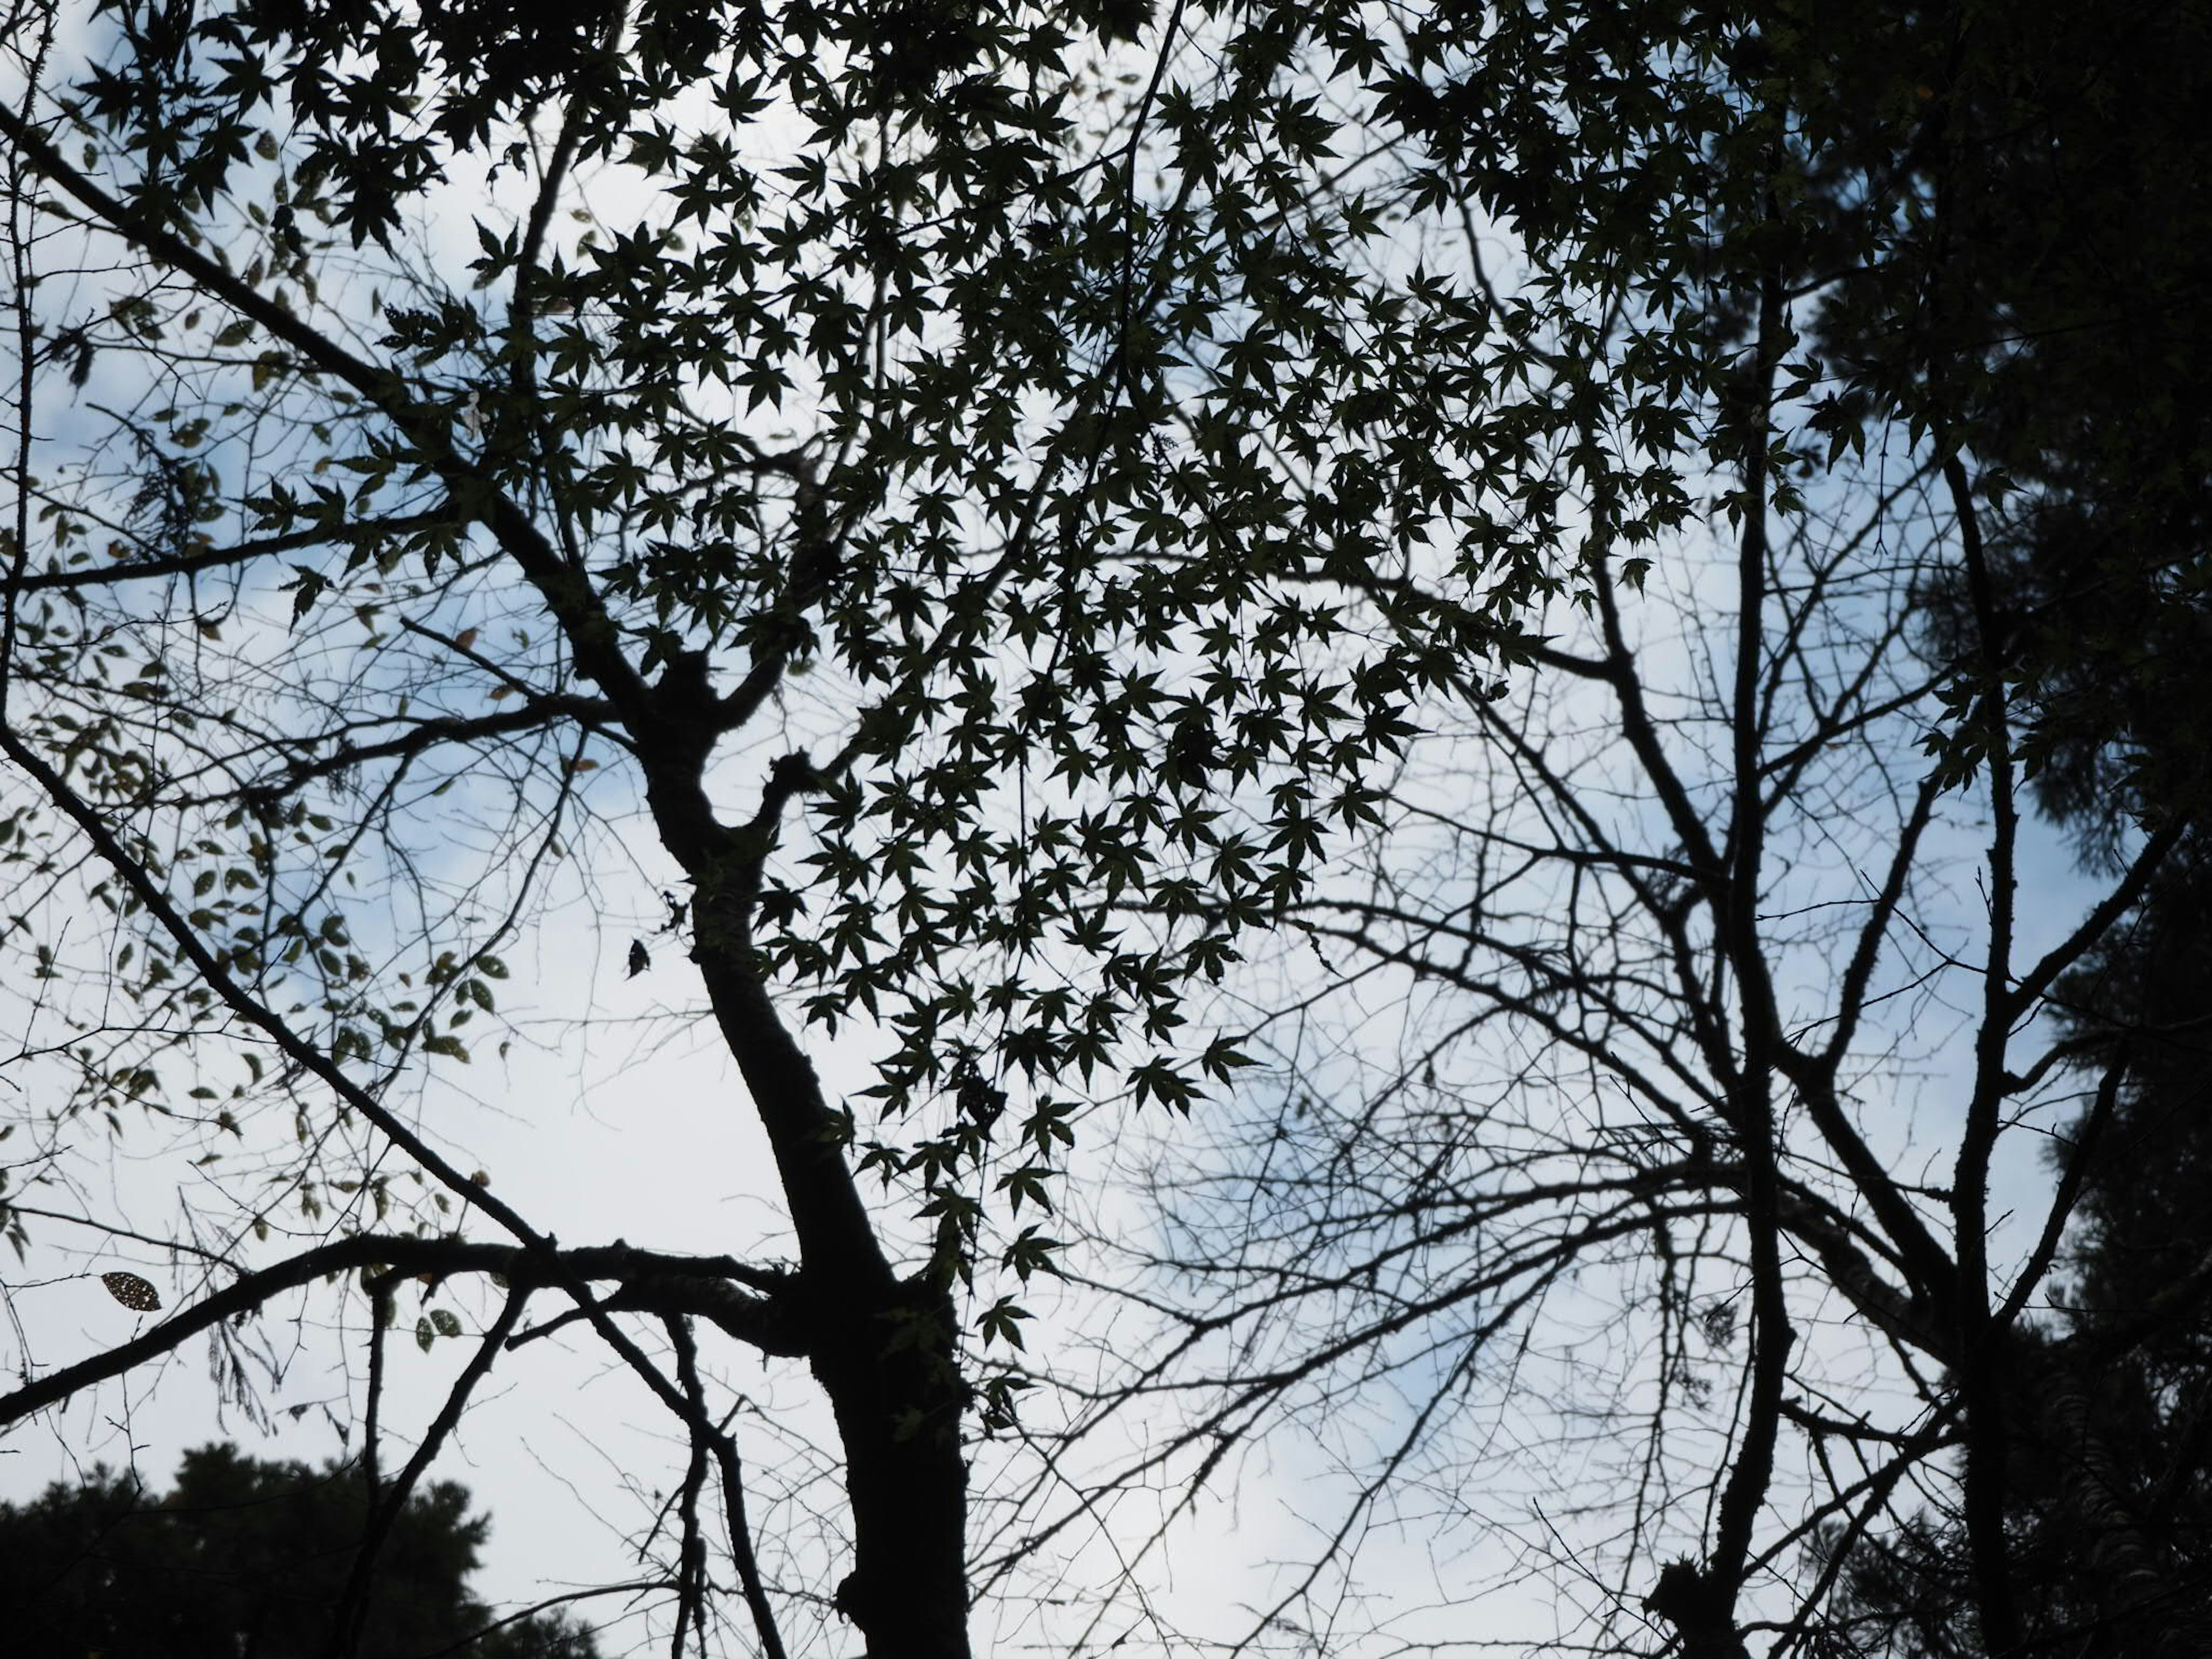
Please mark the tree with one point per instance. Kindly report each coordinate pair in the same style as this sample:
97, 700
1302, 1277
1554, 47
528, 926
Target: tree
2102, 570
2107, 1475
979, 514
2097, 570
1652, 1103
927, 495
248, 1557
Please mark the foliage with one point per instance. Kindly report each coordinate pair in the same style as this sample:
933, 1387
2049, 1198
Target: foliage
1645, 1186
2082, 275
2108, 1478
913, 480
947, 519
246, 1556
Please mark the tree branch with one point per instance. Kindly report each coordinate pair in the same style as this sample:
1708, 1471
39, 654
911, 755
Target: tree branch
659, 1284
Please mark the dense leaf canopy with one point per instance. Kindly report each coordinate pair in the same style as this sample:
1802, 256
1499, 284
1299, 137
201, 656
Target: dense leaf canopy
243, 1556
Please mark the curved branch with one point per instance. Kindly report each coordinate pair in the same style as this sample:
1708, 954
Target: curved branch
216, 558
652, 1283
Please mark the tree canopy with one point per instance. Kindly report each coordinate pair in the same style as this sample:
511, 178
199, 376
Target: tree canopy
1434, 611
1649, 1185
243, 1556
925, 475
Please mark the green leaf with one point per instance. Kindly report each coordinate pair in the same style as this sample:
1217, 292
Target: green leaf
1001, 1322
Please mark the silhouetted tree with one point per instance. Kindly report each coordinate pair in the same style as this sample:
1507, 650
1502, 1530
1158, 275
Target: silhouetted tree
248, 1559
1620, 1086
